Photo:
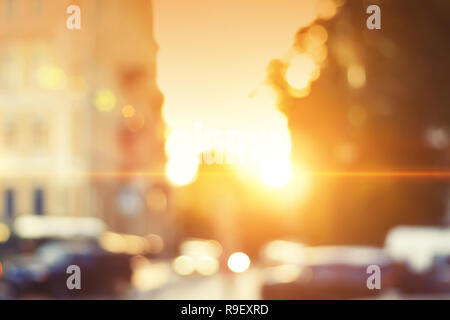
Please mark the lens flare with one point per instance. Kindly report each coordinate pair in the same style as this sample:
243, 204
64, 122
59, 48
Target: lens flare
356, 76
207, 266
301, 71
128, 111
184, 265
105, 100
238, 262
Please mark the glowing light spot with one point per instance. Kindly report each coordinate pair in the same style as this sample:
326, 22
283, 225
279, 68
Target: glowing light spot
4, 233
276, 174
105, 100
156, 243
113, 242
356, 76
149, 276
300, 71
275, 168
437, 138
207, 266
137, 244
326, 9
182, 165
285, 273
318, 33
180, 173
300, 93
281, 251
135, 123
121, 243
128, 111
200, 248
184, 265
238, 262
138, 261
52, 77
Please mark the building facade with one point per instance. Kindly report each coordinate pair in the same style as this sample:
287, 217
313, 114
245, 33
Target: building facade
80, 112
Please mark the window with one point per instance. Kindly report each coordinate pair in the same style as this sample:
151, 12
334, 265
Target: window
9, 203
38, 202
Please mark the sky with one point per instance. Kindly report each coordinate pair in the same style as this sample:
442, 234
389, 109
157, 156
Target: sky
212, 53
211, 68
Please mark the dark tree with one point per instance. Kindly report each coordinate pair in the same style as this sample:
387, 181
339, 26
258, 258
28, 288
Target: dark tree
399, 120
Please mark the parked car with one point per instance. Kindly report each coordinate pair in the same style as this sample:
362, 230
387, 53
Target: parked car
29, 232
425, 252
331, 272
46, 246
45, 273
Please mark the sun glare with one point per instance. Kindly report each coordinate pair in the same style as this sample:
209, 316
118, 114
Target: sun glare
181, 173
276, 174
209, 81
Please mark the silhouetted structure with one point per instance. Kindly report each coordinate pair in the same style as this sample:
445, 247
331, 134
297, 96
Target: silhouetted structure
396, 119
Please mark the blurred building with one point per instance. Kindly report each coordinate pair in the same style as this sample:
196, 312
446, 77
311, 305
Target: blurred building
379, 104
80, 113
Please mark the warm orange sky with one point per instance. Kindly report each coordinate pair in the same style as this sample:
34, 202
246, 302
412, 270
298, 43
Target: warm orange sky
213, 53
